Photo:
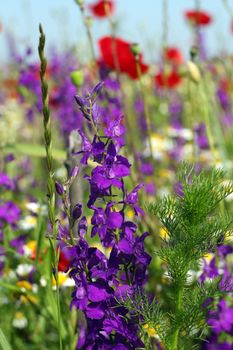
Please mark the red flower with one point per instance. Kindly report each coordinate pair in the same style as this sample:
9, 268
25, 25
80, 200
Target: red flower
124, 60
198, 18
169, 80
102, 8
173, 55
63, 263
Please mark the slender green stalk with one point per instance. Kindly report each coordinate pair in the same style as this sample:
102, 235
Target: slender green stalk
87, 24
178, 309
228, 8
165, 23
49, 159
146, 111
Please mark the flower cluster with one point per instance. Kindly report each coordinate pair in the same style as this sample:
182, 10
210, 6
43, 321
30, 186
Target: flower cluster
220, 320
102, 278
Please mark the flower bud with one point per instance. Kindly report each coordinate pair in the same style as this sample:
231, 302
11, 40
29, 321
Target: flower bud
82, 227
77, 212
59, 188
77, 78
135, 49
88, 21
96, 90
74, 172
194, 72
80, 2
193, 52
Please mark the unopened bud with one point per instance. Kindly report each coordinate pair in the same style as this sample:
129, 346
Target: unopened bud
88, 21
96, 90
74, 172
82, 227
194, 72
193, 52
80, 2
135, 49
59, 188
77, 78
77, 212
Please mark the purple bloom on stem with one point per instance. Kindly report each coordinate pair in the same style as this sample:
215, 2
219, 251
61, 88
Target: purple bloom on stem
132, 199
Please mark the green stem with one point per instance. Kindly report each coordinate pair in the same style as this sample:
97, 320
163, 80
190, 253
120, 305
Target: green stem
175, 340
146, 111
51, 182
165, 23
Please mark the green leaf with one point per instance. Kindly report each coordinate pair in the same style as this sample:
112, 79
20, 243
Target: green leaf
33, 150
3, 341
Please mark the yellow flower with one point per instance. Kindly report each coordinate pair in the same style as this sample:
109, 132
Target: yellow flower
208, 257
62, 278
130, 214
163, 233
151, 331
24, 285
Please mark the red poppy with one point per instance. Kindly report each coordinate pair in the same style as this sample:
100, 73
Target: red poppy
198, 18
168, 80
63, 263
124, 59
173, 55
102, 8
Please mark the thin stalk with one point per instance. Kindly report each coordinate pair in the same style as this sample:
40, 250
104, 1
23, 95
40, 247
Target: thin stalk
49, 159
146, 111
87, 25
122, 95
228, 8
165, 23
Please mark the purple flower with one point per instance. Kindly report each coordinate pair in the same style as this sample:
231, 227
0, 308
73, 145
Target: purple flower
9, 213
132, 199
222, 321
99, 280
6, 182
201, 138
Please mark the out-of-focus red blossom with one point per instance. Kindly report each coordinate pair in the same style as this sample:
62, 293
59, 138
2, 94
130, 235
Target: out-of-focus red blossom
110, 48
226, 84
11, 86
102, 8
173, 55
231, 27
168, 80
63, 263
54, 97
198, 18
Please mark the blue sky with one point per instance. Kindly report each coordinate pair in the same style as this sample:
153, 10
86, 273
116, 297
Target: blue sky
139, 21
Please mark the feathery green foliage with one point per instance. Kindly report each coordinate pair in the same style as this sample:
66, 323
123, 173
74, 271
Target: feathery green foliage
194, 228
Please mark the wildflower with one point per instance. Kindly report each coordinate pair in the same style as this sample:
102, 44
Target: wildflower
116, 54
102, 8
173, 55
9, 213
19, 321
6, 182
222, 321
101, 276
168, 80
198, 18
